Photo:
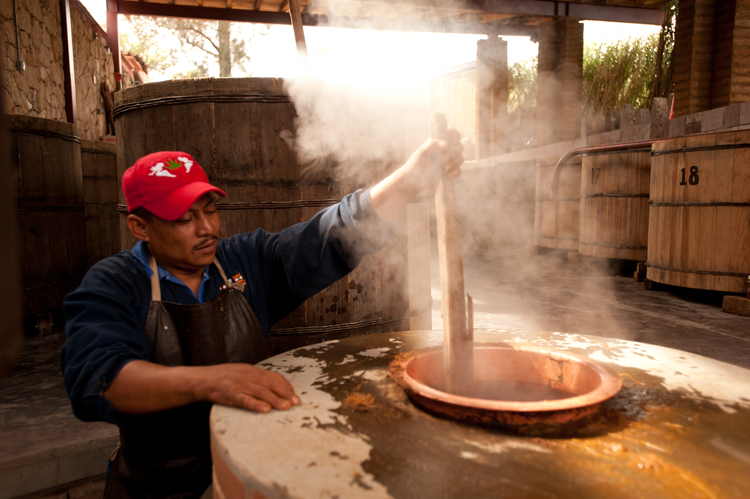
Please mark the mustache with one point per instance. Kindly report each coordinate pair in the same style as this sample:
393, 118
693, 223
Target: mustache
205, 241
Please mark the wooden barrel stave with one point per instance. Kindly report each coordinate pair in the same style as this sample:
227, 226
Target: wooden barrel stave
701, 224
47, 161
100, 195
243, 149
614, 205
557, 222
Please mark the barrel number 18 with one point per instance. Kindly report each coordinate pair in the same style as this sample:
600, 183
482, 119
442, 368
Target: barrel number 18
693, 178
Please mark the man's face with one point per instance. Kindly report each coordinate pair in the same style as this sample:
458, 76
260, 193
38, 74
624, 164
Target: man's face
188, 243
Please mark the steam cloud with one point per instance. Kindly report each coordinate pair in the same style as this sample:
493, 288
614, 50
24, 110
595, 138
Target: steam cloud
368, 129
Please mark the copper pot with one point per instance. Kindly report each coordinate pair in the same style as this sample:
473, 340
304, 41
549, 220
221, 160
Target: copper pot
513, 385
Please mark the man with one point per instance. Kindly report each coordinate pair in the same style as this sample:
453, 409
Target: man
158, 334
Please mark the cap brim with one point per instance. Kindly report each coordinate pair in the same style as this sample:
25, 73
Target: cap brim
173, 205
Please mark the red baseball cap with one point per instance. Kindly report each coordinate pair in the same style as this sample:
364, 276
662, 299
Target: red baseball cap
166, 183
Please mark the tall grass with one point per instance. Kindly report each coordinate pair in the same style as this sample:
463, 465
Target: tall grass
630, 72
617, 74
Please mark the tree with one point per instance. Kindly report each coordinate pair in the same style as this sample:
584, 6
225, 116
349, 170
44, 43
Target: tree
522, 84
137, 40
205, 43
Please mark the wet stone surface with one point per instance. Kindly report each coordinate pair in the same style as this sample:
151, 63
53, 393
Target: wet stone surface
680, 427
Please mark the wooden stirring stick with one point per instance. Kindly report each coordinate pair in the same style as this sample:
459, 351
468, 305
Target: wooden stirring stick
458, 360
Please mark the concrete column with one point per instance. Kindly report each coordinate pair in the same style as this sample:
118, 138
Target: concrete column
694, 46
559, 81
492, 97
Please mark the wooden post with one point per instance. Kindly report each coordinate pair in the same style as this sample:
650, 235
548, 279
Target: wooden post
69, 71
418, 247
299, 36
559, 81
627, 118
492, 97
659, 118
113, 40
458, 356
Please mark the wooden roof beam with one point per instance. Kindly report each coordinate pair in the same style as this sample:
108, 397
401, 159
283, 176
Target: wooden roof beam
546, 8
131, 7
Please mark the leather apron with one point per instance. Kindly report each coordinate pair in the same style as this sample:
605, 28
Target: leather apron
167, 454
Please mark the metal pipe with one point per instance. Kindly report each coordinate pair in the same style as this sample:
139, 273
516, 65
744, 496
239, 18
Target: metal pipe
20, 65
594, 149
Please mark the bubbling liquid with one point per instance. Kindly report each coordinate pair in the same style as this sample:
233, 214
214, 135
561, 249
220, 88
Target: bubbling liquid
513, 391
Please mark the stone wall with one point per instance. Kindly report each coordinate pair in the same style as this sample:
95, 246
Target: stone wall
93, 66
39, 89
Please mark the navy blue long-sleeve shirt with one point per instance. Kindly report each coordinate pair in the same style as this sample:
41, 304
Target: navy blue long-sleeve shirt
106, 315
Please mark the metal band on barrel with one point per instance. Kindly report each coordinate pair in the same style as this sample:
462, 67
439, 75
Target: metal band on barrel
350, 325
604, 195
615, 246
98, 151
47, 133
715, 203
51, 208
191, 99
693, 271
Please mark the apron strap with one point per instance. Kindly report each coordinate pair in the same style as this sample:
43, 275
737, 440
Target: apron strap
155, 285
233, 285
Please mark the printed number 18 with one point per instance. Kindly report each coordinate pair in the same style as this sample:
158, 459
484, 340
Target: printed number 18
693, 179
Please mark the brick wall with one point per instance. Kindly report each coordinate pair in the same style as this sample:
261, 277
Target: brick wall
722, 55
693, 49
559, 81
740, 91
712, 55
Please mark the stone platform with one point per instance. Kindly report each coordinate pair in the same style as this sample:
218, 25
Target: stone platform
680, 427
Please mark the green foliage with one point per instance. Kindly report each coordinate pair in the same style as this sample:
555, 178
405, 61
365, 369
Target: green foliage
522, 84
200, 71
664, 71
137, 40
164, 41
630, 72
618, 74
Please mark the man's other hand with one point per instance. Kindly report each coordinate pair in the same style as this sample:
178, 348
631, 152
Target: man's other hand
249, 387
143, 387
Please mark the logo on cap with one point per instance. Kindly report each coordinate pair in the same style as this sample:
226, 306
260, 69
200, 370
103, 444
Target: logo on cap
159, 171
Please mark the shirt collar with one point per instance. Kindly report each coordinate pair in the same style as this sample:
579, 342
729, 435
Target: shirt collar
140, 251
